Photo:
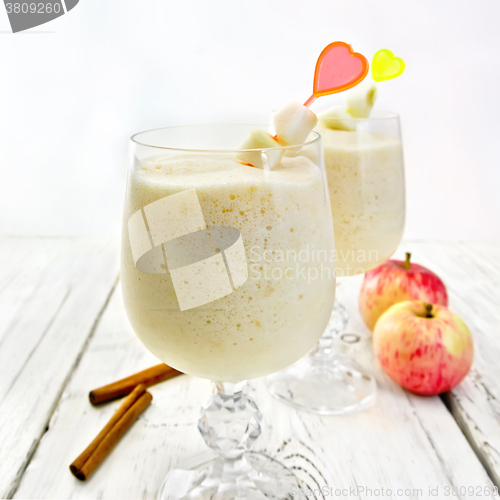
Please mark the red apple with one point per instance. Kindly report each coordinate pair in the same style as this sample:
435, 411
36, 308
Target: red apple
423, 347
396, 281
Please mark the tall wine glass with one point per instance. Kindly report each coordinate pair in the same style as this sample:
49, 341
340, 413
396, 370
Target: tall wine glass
227, 273
365, 170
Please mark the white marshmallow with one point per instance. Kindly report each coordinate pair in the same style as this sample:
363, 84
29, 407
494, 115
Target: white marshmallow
265, 158
293, 123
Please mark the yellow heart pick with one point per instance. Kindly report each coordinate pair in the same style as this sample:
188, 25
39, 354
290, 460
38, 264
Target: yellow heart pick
385, 65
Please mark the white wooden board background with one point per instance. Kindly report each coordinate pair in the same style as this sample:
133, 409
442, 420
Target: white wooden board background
63, 331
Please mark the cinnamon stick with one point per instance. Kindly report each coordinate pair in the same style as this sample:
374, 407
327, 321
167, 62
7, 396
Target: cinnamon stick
94, 454
125, 386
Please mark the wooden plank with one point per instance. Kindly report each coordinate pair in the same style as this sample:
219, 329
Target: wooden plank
68, 284
471, 272
403, 442
23, 262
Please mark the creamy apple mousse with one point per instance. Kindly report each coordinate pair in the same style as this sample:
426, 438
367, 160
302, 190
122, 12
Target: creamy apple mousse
366, 183
259, 327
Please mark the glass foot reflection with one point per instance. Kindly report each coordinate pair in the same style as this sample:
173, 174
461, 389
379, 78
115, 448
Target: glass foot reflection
328, 381
254, 476
333, 388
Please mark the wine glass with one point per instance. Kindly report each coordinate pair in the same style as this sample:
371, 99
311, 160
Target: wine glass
227, 273
365, 170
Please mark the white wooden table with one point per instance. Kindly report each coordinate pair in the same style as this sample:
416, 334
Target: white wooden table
63, 331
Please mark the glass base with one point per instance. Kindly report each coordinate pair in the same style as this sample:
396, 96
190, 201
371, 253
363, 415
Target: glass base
327, 386
254, 476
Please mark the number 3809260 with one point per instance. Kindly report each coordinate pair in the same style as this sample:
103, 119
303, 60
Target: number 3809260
33, 8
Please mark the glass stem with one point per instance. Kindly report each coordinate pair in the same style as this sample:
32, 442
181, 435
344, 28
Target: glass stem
230, 421
336, 327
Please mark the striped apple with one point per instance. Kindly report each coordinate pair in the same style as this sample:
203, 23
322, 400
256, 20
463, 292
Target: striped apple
425, 348
396, 281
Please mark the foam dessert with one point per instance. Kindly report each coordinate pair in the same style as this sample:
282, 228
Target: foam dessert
365, 176
261, 329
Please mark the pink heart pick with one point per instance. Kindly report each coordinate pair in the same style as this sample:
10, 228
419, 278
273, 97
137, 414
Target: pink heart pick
338, 68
